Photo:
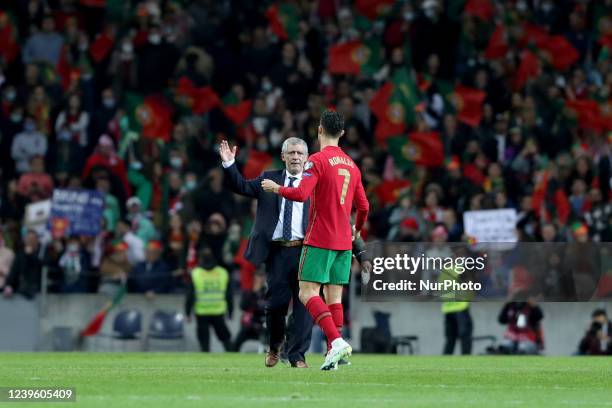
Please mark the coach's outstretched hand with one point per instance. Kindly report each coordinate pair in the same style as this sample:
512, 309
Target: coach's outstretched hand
269, 186
225, 152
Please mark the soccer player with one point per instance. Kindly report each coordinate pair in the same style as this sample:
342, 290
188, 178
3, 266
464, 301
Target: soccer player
333, 183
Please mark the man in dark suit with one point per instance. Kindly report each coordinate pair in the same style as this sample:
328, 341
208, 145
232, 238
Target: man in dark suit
276, 240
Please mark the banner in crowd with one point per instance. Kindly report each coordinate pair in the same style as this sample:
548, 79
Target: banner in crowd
76, 212
490, 225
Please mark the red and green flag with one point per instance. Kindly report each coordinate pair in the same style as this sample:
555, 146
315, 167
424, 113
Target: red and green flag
95, 324
468, 104
102, 45
256, 163
497, 46
9, 42
394, 105
549, 199
374, 9
529, 68
151, 115
238, 111
420, 148
388, 192
283, 21
198, 100
355, 57
589, 115
559, 52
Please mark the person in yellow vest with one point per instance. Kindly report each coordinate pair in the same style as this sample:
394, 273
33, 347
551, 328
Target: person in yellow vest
207, 299
457, 318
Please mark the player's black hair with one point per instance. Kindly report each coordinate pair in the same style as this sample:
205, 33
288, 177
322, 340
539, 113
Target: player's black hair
332, 123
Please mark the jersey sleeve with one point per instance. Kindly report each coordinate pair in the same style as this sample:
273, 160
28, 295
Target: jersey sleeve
308, 183
361, 204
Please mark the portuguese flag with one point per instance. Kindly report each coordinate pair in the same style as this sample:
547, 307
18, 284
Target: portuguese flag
589, 115
102, 46
237, 111
150, 115
468, 104
283, 21
199, 100
420, 148
256, 163
95, 324
373, 9
498, 44
389, 191
9, 46
528, 68
355, 57
394, 105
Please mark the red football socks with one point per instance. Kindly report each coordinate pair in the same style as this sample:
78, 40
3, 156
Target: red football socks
337, 312
323, 317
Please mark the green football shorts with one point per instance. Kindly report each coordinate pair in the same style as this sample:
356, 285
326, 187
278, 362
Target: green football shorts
325, 265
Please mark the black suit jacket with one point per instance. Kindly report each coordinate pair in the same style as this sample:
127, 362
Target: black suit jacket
268, 210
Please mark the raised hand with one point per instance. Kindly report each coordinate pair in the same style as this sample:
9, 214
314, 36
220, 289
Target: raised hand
225, 152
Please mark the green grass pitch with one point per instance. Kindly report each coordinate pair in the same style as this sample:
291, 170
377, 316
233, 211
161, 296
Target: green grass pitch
168, 380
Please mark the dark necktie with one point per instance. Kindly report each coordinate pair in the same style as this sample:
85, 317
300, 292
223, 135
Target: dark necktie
287, 214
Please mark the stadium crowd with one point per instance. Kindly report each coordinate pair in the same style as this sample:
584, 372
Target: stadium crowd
491, 104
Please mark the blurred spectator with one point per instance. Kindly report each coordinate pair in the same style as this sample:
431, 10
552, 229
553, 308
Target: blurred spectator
598, 337
74, 264
253, 305
28, 144
134, 244
44, 45
524, 333
141, 225
106, 157
152, 275
7, 256
24, 277
115, 269
35, 185
208, 298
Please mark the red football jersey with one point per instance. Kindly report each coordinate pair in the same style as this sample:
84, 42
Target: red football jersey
333, 182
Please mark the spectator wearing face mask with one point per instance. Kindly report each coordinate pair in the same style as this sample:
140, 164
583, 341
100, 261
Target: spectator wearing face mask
74, 264
104, 115
141, 224
28, 144
158, 52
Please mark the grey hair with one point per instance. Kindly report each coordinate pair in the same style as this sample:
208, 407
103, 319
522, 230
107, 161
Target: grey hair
294, 141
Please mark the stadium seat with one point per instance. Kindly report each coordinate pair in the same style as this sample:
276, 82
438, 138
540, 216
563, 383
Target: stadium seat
127, 328
166, 327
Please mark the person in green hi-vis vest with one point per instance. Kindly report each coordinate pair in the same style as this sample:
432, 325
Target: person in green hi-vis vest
207, 298
457, 318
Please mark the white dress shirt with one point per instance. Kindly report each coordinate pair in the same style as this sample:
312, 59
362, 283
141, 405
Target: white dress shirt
297, 230
297, 215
